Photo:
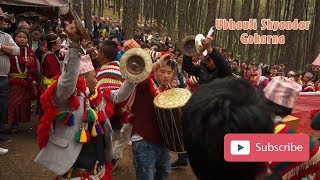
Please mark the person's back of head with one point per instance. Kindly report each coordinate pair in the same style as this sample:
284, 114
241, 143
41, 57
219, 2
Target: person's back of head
217, 108
108, 51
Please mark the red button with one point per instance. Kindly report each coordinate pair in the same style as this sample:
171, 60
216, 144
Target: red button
266, 147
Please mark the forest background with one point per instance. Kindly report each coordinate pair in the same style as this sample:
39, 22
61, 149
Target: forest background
178, 18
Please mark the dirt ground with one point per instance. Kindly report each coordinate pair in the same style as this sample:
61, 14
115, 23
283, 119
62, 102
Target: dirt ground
18, 163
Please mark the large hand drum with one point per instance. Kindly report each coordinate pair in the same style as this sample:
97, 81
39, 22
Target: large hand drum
168, 107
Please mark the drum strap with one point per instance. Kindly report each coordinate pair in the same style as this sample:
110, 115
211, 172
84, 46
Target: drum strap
131, 99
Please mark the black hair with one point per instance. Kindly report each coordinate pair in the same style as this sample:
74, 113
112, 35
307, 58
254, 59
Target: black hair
90, 42
96, 42
215, 110
109, 49
179, 53
51, 40
16, 32
265, 72
36, 28
277, 109
145, 45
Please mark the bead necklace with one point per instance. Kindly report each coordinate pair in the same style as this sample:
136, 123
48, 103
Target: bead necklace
26, 59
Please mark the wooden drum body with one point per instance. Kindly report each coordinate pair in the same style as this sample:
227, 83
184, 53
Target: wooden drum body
168, 107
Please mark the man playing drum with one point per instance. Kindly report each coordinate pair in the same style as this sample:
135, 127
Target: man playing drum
212, 66
151, 157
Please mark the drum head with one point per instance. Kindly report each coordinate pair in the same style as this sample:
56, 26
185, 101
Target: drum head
172, 98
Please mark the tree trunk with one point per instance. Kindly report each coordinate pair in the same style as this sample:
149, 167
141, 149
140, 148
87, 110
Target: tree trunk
114, 7
136, 10
291, 43
245, 14
286, 17
87, 15
129, 20
251, 50
118, 4
171, 18
315, 45
232, 15
212, 12
77, 7
273, 48
100, 8
263, 48
182, 8
95, 5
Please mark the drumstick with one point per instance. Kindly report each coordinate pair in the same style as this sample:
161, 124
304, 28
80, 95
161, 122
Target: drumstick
210, 33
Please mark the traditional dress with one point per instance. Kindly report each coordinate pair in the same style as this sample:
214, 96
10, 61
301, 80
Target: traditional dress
23, 82
109, 77
289, 90
149, 153
74, 133
50, 67
297, 170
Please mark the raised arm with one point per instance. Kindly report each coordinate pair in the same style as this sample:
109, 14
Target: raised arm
70, 72
221, 64
123, 92
189, 67
163, 59
71, 68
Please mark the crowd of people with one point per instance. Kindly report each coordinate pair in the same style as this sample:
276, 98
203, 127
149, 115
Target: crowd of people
89, 112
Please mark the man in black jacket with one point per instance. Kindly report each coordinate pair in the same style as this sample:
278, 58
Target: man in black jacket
211, 67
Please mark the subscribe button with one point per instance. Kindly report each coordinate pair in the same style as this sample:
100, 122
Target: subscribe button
266, 147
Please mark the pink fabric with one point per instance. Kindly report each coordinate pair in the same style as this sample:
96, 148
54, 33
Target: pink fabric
304, 104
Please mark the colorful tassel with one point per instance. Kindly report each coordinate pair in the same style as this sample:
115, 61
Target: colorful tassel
92, 115
77, 137
85, 116
95, 169
71, 120
83, 136
61, 116
88, 136
99, 129
69, 173
66, 119
94, 131
101, 117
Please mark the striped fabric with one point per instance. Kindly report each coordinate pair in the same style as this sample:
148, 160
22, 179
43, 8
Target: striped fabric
282, 91
154, 54
109, 76
6, 39
297, 170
